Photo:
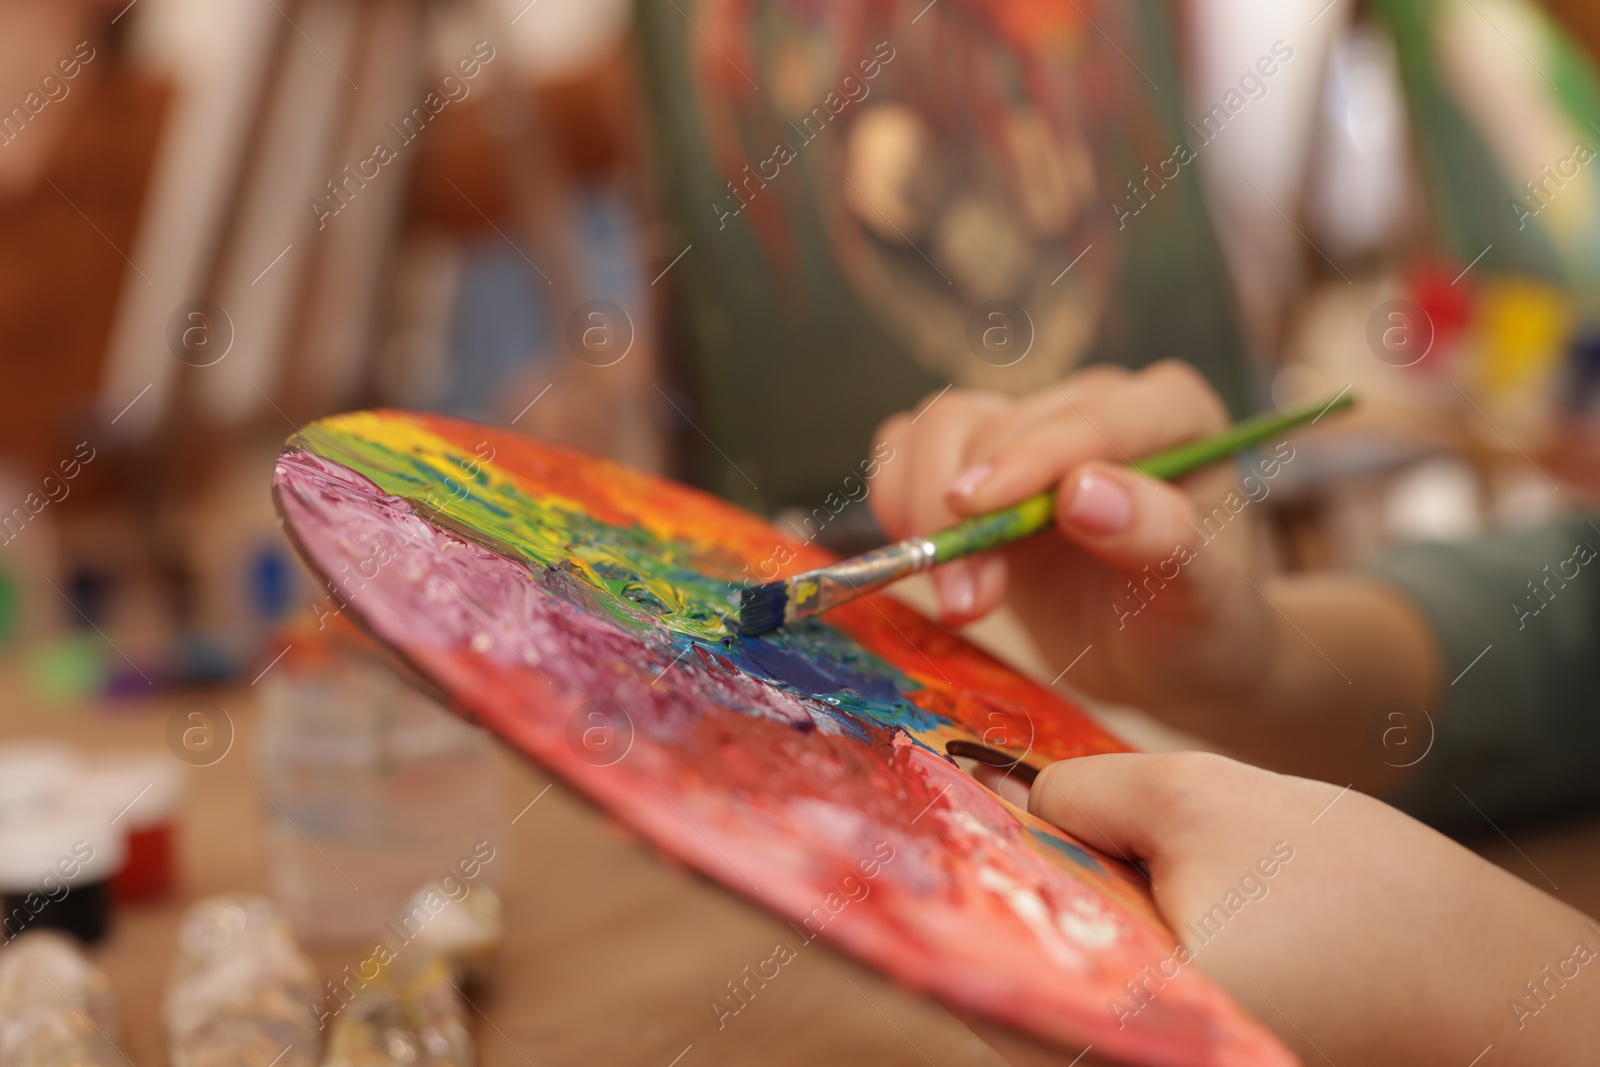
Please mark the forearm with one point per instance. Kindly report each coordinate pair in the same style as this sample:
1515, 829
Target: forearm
1535, 971
1351, 660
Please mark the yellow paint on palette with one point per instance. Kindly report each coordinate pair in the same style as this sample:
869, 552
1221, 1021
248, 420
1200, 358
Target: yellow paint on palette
460, 470
625, 496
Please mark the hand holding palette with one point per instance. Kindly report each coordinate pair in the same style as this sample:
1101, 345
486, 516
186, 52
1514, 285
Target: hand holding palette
581, 610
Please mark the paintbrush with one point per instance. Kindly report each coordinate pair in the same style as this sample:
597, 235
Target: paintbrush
763, 608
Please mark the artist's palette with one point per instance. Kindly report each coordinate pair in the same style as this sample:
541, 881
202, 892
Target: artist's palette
577, 609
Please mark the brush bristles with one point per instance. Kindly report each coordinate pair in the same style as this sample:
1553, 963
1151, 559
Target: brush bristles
762, 607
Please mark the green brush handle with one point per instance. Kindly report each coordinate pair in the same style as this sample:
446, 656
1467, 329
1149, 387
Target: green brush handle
1024, 519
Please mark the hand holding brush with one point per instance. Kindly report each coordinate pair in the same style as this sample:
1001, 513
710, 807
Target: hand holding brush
766, 607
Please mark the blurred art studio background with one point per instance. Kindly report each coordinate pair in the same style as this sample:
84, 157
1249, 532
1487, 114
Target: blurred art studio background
718, 240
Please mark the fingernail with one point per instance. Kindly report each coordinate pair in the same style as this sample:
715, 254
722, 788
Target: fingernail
957, 591
967, 482
1100, 505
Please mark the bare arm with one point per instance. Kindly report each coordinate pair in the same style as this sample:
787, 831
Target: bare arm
1354, 659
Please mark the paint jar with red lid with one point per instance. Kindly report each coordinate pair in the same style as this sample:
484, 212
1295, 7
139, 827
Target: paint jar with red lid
139, 790
56, 870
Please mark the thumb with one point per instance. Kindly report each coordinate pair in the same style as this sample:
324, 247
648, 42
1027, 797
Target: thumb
1114, 802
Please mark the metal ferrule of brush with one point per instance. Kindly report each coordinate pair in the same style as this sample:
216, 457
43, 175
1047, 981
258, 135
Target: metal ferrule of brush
820, 590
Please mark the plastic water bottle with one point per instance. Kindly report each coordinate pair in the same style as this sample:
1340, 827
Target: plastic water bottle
370, 789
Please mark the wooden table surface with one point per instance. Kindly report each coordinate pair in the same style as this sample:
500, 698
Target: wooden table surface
612, 957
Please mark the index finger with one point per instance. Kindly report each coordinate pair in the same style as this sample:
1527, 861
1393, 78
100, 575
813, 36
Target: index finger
1168, 404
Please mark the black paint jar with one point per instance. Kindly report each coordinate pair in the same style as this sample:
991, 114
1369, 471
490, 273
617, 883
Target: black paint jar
56, 869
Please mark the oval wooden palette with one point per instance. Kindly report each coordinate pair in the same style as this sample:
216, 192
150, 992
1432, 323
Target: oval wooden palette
577, 609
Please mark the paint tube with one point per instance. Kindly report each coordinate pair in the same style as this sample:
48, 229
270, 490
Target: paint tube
241, 989
56, 1008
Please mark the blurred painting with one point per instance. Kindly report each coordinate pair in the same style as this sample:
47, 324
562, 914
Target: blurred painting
879, 199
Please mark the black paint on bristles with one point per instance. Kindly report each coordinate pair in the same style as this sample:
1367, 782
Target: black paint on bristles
761, 608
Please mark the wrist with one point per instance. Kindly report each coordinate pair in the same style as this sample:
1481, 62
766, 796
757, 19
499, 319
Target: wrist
1292, 670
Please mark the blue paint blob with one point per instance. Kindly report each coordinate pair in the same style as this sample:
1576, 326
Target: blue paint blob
810, 676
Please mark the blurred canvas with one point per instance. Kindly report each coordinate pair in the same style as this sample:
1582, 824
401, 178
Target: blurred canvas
883, 198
